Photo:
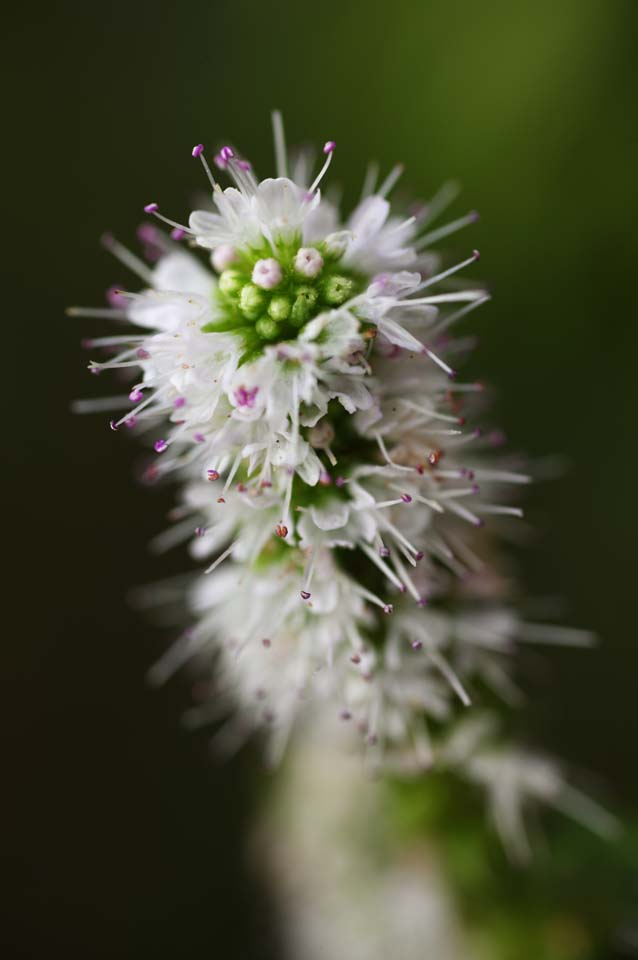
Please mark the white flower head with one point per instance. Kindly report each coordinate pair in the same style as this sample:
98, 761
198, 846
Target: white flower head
302, 386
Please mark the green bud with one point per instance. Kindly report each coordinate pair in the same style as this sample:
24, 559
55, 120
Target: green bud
251, 301
231, 282
279, 308
267, 328
304, 304
337, 290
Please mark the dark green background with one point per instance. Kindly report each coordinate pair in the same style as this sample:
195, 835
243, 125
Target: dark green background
122, 839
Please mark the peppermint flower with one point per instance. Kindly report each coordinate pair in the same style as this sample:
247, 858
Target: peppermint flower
295, 369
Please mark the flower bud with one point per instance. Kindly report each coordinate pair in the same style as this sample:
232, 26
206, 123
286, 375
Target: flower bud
267, 328
223, 257
251, 301
337, 289
279, 308
304, 305
231, 282
308, 262
267, 273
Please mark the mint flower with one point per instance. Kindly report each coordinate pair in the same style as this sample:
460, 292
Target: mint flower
295, 369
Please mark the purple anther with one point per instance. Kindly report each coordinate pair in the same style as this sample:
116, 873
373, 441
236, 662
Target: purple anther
178, 234
474, 215
212, 475
345, 715
179, 402
422, 602
475, 488
266, 642
160, 446
305, 595
388, 608
340, 481
329, 146
147, 233
151, 208
114, 297
198, 150
112, 424
135, 396
244, 397
226, 153
130, 422
406, 498
416, 644
419, 555
199, 438
200, 531
384, 552
142, 354
476, 254
355, 658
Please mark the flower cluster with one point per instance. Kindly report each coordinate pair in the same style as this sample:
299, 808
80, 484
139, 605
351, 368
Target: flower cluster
299, 381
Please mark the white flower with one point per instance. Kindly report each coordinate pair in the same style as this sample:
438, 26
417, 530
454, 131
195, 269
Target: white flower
302, 387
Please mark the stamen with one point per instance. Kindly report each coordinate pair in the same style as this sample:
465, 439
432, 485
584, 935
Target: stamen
198, 151
370, 180
385, 569
447, 322
121, 253
390, 180
445, 231
154, 209
222, 557
281, 158
448, 273
328, 149
442, 199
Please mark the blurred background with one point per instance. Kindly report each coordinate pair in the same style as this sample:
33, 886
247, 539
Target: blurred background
121, 837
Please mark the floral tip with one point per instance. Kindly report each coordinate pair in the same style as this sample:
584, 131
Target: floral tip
151, 208
212, 475
160, 446
178, 234
226, 154
281, 530
416, 644
406, 498
113, 425
476, 254
329, 146
388, 608
305, 595
198, 150
135, 396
